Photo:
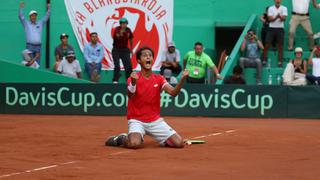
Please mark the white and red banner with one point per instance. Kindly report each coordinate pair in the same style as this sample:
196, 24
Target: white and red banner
151, 22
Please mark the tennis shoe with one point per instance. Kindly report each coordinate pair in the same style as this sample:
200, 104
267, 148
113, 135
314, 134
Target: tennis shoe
116, 140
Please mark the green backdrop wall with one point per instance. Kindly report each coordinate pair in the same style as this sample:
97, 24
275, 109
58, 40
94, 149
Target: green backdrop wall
193, 21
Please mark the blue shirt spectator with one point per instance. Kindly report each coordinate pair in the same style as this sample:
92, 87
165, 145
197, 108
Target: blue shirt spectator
252, 50
33, 28
93, 53
251, 46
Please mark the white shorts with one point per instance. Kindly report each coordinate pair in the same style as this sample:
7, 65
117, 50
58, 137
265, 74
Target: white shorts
159, 129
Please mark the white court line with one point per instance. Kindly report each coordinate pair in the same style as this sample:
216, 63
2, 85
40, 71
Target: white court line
199, 137
214, 134
230, 131
122, 152
43, 168
112, 154
8, 175
29, 171
71, 162
54, 166
38, 169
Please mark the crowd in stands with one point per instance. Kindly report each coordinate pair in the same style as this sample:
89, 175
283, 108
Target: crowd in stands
273, 34
197, 62
62, 50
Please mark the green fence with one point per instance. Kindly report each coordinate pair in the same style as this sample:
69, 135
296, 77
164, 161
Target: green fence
211, 101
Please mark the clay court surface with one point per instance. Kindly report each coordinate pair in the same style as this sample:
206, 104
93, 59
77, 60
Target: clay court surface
72, 147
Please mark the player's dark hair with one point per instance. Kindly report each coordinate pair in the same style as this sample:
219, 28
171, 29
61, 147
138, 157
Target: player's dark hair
93, 33
198, 44
138, 55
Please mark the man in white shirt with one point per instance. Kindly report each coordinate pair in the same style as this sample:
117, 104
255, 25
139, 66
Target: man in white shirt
69, 66
277, 14
315, 61
171, 59
29, 60
300, 16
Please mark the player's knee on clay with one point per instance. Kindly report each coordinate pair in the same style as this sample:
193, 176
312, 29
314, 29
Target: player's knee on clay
180, 144
134, 144
135, 140
175, 141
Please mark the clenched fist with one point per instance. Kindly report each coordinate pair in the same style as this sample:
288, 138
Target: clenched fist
134, 77
185, 74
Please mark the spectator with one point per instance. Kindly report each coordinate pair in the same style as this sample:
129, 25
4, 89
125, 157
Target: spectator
265, 26
236, 77
196, 63
277, 15
33, 30
29, 60
171, 59
62, 50
314, 78
70, 66
251, 45
300, 16
295, 72
121, 36
93, 55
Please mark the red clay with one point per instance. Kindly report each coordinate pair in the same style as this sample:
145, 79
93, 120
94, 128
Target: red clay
258, 149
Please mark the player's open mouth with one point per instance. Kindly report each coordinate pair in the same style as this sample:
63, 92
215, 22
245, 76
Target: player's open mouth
148, 62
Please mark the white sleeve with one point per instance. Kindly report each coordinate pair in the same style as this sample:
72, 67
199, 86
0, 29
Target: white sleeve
78, 68
270, 11
178, 57
132, 88
164, 56
60, 66
285, 11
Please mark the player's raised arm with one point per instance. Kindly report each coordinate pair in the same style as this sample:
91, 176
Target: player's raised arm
174, 91
132, 86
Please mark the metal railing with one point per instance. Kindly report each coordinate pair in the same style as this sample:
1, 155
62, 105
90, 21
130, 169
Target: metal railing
234, 56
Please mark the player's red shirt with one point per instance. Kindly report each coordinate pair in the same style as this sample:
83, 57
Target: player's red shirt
145, 104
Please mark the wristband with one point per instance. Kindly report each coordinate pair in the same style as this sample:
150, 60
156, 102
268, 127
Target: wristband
132, 88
